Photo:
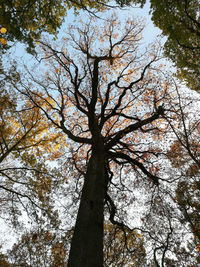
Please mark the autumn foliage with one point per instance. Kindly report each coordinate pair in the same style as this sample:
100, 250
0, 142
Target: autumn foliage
116, 127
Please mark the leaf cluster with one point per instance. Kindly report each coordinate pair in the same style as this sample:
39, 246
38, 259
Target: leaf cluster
180, 22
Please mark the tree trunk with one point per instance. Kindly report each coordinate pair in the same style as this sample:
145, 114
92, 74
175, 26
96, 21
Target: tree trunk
87, 243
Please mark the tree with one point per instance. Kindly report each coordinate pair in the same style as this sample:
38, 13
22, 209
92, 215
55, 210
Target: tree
122, 249
174, 207
25, 21
186, 149
25, 180
105, 100
54, 248
180, 22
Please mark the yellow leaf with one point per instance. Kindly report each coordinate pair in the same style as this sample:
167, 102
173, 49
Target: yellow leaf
3, 30
3, 41
56, 147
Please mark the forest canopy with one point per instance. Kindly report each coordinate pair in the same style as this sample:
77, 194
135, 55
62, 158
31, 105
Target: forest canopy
99, 149
25, 21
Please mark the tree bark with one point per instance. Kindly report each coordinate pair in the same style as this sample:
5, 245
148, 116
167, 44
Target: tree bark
87, 243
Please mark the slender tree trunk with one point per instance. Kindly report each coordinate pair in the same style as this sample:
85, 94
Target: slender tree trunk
87, 243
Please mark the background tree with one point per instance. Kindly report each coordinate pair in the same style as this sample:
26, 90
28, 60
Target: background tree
122, 249
180, 22
173, 211
106, 99
184, 155
26, 183
54, 248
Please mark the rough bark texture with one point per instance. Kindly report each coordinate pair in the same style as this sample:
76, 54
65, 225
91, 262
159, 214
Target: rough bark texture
87, 243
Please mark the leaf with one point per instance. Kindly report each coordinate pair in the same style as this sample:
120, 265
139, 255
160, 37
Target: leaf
3, 41
3, 30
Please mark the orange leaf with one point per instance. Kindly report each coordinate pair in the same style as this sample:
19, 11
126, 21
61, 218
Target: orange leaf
3, 41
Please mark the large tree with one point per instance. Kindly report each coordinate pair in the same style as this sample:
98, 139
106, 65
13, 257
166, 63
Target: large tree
106, 96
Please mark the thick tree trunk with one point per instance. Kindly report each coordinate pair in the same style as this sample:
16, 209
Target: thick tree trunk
87, 243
